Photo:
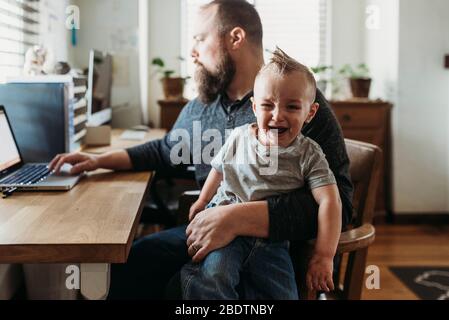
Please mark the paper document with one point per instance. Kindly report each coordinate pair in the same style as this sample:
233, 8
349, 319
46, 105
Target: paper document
133, 135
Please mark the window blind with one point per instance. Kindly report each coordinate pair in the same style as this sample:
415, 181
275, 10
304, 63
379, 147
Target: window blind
299, 27
19, 29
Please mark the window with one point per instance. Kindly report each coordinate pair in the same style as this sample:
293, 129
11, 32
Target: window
299, 27
19, 29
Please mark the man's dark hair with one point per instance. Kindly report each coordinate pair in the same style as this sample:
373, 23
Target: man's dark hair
238, 13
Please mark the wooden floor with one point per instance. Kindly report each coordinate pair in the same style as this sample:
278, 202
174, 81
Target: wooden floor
406, 245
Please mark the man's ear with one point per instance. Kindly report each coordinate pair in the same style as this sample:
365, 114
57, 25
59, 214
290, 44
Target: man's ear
237, 37
312, 112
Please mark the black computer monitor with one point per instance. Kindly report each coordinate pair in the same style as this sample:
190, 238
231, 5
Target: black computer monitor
99, 88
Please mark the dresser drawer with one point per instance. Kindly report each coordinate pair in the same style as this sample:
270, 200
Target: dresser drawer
369, 121
353, 117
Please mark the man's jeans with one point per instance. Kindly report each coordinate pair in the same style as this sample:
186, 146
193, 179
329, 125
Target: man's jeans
152, 262
248, 268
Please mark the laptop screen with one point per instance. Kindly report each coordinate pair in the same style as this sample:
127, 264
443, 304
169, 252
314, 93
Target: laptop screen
9, 155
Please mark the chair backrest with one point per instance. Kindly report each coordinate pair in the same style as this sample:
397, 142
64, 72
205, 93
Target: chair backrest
365, 164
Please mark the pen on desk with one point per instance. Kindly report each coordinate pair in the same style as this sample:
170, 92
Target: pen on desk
8, 192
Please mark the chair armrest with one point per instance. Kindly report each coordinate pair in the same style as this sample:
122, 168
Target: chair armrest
185, 202
357, 238
352, 240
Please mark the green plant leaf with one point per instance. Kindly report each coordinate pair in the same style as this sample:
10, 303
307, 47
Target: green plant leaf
360, 71
168, 73
321, 68
158, 62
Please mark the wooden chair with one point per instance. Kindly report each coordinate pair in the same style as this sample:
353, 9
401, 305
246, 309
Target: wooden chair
364, 169
365, 162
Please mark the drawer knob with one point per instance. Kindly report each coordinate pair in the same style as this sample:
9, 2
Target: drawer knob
346, 117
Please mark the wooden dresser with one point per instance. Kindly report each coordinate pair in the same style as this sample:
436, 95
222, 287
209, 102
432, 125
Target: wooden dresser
170, 110
370, 121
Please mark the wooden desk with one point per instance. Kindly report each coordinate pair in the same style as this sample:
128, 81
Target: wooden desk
94, 224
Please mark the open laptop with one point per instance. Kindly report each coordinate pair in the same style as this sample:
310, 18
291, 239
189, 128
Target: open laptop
15, 174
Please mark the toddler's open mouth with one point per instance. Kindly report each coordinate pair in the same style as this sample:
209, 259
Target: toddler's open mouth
280, 130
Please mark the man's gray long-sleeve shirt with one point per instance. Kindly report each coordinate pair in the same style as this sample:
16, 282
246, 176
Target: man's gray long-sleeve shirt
292, 216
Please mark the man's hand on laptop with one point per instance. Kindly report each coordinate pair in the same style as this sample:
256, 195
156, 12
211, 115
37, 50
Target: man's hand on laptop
81, 162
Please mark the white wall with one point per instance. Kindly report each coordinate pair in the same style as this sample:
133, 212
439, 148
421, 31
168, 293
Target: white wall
382, 57
405, 56
54, 34
421, 138
347, 32
144, 61
382, 48
112, 26
347, 37
165, 42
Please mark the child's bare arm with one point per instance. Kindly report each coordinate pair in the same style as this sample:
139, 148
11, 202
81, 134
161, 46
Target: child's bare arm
329, 219
319, 276
209, 189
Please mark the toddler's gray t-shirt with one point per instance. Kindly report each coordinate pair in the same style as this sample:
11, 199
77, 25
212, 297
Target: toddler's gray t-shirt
252, 171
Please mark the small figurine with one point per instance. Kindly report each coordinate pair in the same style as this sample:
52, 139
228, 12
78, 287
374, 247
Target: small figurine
39, 61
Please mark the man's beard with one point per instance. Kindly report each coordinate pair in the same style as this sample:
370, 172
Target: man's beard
211, 84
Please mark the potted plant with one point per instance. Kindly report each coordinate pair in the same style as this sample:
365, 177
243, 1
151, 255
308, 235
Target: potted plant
322, 75
359, 79
173, 86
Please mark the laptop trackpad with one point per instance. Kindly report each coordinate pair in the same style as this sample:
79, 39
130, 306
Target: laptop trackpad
62, 180
64, 171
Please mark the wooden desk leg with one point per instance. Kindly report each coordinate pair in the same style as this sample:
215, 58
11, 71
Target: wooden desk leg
95, 280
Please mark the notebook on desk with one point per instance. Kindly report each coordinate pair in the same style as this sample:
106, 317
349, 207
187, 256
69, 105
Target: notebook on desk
133, 135
17, 175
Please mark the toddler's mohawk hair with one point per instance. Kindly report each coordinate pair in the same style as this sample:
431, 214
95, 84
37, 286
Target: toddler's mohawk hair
282, 64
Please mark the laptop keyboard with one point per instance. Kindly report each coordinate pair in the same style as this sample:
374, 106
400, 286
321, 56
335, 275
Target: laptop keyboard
27, 175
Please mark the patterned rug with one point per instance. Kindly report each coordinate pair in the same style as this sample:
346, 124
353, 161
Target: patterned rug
428, 283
